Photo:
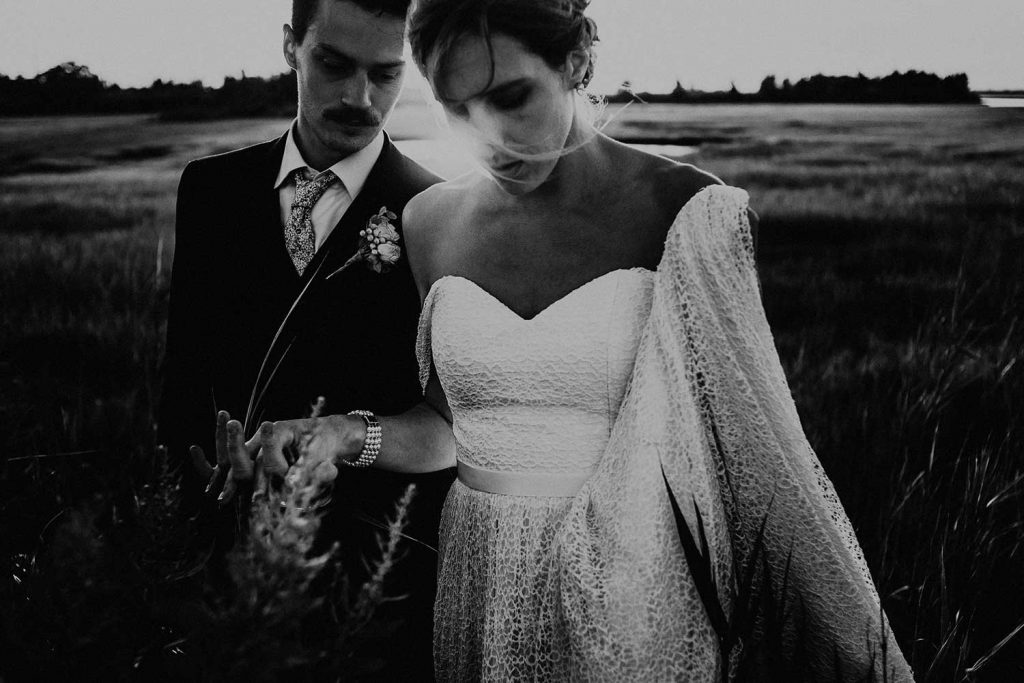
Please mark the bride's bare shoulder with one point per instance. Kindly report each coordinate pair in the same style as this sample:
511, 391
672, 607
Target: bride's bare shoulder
428, 221
436, 200
675, 184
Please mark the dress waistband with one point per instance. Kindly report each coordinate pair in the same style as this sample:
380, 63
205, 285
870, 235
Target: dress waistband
539, 484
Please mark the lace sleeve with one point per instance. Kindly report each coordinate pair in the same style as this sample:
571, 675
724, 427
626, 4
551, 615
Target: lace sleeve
424, 353
765, 464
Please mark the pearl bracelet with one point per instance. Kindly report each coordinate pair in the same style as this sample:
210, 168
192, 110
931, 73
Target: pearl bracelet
371, 446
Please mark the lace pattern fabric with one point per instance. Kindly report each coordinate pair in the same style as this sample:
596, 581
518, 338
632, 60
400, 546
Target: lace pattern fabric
595, 587
533, 397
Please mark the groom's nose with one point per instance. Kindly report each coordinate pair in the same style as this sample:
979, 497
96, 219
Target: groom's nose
355, 91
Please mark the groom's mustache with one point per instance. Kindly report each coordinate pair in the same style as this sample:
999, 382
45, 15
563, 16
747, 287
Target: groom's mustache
353, 116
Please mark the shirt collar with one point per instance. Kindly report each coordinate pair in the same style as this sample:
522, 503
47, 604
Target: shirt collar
352, 170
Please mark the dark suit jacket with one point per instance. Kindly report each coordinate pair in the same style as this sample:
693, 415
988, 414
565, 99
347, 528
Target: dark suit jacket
350, 340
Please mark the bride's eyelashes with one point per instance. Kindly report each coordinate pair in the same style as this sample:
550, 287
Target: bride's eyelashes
509, 100
504, 100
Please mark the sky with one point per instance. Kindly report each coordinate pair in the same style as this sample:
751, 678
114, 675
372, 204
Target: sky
652, 43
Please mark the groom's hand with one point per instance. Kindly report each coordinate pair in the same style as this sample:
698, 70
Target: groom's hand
234, 459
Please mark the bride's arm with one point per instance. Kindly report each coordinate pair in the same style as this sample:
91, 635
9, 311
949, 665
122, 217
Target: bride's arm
778, 495
414, 442
419, 440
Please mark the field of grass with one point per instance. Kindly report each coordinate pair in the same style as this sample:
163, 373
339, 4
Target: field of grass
890, 253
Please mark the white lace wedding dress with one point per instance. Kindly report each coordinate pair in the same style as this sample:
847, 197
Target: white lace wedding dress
560, 557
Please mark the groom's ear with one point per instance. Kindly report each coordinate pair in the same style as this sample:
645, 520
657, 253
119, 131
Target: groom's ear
290, 44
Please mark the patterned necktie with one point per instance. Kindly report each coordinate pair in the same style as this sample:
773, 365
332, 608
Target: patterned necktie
299, 236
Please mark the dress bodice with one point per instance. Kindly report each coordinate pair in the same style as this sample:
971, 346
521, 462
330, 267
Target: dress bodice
540, 394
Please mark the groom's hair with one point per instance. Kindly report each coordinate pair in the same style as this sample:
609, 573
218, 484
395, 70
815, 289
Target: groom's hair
303, 11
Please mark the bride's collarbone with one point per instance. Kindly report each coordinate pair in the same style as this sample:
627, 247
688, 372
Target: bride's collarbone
529, 282
543, 257
610, 228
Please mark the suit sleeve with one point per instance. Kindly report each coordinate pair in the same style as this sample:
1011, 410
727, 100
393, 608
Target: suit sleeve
187, 408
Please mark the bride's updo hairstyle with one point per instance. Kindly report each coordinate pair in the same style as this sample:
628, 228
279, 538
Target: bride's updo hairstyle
551, 29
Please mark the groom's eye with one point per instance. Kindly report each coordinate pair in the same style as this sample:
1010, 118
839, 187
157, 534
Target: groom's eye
332, 65
386, 75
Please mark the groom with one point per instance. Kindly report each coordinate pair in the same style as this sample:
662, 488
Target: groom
258, 226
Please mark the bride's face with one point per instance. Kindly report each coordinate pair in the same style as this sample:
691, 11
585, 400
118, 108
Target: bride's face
518, 118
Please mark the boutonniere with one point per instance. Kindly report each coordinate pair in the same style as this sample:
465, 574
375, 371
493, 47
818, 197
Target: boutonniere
379, 240
378, 244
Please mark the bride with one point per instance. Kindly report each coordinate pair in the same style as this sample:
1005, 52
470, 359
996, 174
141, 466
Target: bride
592, 326
628, 451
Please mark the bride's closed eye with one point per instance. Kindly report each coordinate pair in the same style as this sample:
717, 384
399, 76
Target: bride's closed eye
508, 100
502, 100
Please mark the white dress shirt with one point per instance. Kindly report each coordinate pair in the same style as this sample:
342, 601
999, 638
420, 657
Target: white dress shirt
351, 171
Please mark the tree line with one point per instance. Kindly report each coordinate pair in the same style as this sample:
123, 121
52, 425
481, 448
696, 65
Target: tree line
71, 88
911, 87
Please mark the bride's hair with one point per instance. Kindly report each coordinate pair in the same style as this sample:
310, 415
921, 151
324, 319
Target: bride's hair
551, 29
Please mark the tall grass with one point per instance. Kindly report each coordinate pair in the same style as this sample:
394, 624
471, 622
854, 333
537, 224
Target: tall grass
890, 254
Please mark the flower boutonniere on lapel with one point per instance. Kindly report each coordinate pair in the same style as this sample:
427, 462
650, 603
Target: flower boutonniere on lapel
380, 240
378, 244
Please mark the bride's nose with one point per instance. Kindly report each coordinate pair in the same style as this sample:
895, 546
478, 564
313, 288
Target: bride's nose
492, 128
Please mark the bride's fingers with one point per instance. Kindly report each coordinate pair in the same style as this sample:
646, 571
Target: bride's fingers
239, 456
213, 476
325, 472
221, 439
199, 463
274, 439
261, 488
229, 491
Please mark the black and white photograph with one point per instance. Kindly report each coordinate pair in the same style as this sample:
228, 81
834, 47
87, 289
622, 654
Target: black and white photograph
512, 340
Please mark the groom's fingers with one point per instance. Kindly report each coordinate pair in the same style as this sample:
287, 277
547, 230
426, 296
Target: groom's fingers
274, 440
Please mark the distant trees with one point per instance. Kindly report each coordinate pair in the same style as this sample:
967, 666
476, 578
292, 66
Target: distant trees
916, 87
71, 88
911, 87
66, 87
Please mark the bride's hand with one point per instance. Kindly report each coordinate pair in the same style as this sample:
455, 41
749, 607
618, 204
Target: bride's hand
234, 466
314, 445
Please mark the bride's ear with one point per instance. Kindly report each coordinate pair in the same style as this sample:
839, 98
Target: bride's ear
576, 64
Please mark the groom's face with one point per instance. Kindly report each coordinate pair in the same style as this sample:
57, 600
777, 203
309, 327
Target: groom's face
349, 66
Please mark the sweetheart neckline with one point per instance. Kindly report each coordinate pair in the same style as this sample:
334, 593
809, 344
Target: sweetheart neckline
690, 204
639, 270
